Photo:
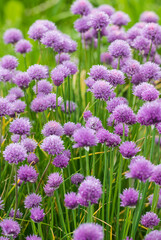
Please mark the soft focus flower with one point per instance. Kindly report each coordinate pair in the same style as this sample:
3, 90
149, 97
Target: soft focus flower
4, 107
9, 62
37, 72
121, 128
32, 200
150, 70
119, 48
115, 33
149, 16
36, 31
159, 200
124, 114
14, 153
48, 24
146, 92
153, 235
128, 149
60, 58
115, 77
113, 140
150, 220
71, 66
32, 159
39, 104
69, 105
90, 231
54, 180
102, 90
23, 46
62, 159
52, 128
77, 178
120, 18
27, 174
43, 86
17, 91
156, 175
82, 24
33, 237
53, 145
132, 34
87, 115
18, 213
106, 58
29, 144
109, 10
20, 126
37, 214
49, 191
71, 200
129, 197
69, 128
10, 228
12, 35
98, 72
51, 100
22, 79
140, 43
5, 75
82, 7
99, 20
94, 123
152, 32
131, 67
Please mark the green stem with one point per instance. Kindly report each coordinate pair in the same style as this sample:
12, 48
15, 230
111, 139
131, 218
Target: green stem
16, 192
56, 103
104, 180
98, 47
87, 163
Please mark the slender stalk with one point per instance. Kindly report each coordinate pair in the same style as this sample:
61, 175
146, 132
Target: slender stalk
149, 52
104, 180
16, 192
89, 216
118, 65
98, 47
94, 161
25, 63
56, 103
69, 96
87, 163
40, 231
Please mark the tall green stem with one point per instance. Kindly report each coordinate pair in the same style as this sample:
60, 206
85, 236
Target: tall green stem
16, 192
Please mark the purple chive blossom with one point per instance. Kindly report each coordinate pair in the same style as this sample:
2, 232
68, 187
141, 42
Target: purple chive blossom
37, 214
49, 191
58, 74
119, 48
90, 190
149, 113
62, 160
33, 237
12, 35
109, 10
115, 77
132, 33
36, 31
106, 58
152, 32
159, 200
50, 38
150, 70
94, 123
81, 7
4, 107
111, 121
71, 66
22, 79
153, 235
10, 228
1, 204
121, 62
113, 140
139, 89
87, 115
52, 145
148, 17
84, 137
120, 18
89, 82
114, 102
64, 44
16, 138
23, 46
150, 94
29, 144
102, 135
18, 213
158, 127
82, 24
69, 128
43, 87
48, 24
5, 75
90, 231
115, 34
4, 238
140, 168
71, 200
27, 174
20, 126
14, 153
37, 72
102, 90
51, 100
156, 175
52, 128
131, 67
16, 107
128, 149
150, 220
39, 104
11, 98
60, 58
129, 197
17, 91
140, 43
9, 62
99, 20
54, 180
98, 72
32, 200
124, 114
77, 178
32, 159
121, 128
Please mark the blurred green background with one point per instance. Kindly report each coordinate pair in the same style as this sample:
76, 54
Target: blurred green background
22, 13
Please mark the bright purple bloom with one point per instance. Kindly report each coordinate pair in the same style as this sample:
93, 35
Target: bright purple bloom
52, 128
116, 34
128, 149
69, 128
89, 82
9, 62
121, 128
114, 102
150, 220
48, 24
11, 98
32, 200
109, 10
43, 87
94, 123
53, 145
87, 115
36, 31
90, 190
140, 43
50, 38
90, 231
113, 140
159, 200
156, 175
4, 107
102, 90
58, 74
4, 238
49, 191
37, 72
16, 138
17, 91
120, 18
32, 159
71, 66
115, 77
27, 174
14, 153
149, 16
20, 126
98, 72
12, 35
37, 214
62, 159
77, 178
102, 135
124, 114
84, 137
140, 168
149, 113
60, 58
129, 197
54, 180
82, 7
33, 237
133, 33
119, 48
158, 127
71, 200
22, 79
18, 213
51, 100
29, 144
152, 31
131, 67
106, 58
150, 70
82, 24
23, 46
5, 75
10, 228
99, 20
153, 235
39, 104
18, 107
